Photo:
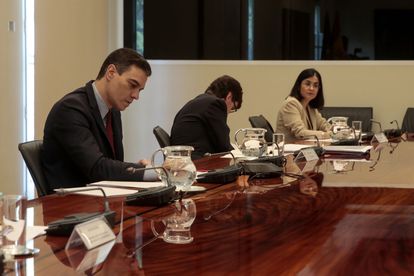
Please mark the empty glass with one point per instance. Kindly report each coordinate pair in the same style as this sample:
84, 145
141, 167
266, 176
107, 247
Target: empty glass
279, 143
14, 226
357, 126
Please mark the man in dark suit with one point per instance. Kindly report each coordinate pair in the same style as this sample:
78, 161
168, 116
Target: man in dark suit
83, 132
202, 122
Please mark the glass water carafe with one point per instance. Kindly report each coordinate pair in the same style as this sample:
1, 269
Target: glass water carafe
179, 166
253, 141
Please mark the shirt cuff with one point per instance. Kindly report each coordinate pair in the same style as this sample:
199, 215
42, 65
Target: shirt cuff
150, 175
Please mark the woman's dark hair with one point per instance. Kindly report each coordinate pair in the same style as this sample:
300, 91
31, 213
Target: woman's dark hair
123, 58
221, 86
319, 101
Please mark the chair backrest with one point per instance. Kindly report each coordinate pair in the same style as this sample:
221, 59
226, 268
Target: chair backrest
30, 152
408, 121
162, 136
261, 122
364, 114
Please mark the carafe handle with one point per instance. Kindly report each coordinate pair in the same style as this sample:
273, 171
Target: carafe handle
154, 154
235, 136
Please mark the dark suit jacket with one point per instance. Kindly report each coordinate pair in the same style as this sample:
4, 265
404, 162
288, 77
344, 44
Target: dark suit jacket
76, 149
202, 123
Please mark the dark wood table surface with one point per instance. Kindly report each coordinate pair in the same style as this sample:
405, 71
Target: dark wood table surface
344, 217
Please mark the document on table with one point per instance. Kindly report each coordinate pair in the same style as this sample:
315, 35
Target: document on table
294, 147
128, 184
115, 188
108, 191
347, 149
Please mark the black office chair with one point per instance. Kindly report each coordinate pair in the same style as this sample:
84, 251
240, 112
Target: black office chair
261, 122
162, 136
364, 114
31, 154
408, 121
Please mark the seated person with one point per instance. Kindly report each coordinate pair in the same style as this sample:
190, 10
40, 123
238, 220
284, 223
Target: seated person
299, 116
82, 140
202, 122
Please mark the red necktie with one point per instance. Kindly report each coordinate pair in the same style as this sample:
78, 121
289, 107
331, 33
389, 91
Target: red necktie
109, 131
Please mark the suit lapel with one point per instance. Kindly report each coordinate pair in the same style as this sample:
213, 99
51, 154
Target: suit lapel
98, 119
117, 129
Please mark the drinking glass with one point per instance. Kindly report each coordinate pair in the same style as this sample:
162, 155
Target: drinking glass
357, 126
279, 143
14, 226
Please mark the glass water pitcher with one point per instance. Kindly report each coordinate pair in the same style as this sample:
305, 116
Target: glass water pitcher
253, 142
179, 166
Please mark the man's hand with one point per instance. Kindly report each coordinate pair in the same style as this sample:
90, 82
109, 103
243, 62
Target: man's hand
144, 162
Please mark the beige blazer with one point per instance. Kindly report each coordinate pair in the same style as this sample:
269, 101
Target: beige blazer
292, 117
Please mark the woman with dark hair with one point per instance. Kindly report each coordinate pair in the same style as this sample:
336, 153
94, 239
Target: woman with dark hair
299, 116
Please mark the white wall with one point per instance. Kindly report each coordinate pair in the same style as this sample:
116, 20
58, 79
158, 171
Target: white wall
71, 44
11, 104
386, 86
383, 85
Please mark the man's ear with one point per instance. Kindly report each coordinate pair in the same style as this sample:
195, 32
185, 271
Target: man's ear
110, 71
229, 96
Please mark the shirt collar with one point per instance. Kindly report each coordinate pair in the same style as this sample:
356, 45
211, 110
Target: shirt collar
103, 108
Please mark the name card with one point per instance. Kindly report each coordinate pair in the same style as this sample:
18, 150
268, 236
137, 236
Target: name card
91, 234
308, 153
309, 166
381, 138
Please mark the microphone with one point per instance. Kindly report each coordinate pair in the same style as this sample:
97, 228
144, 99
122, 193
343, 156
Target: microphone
132, 170
318, 143
153, 196
373, 121
64, 227
372, 167
393, 133
207, 154
222, 175
396, 122
319, 150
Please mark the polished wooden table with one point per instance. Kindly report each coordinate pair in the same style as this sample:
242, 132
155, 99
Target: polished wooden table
343, 217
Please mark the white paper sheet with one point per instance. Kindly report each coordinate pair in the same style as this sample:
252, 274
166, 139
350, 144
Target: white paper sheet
108, 191
294, 147
349, 149
34, 231
127, 184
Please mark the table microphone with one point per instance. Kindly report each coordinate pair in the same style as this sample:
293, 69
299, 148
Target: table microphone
378, 123
64, 227
157, 196
222, 175
207, 154
393, 133
319, 150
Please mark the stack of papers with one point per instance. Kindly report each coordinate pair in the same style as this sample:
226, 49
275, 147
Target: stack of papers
352, 150
290, 148
115, 188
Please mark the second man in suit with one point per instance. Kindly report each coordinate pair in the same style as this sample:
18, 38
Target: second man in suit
202, 122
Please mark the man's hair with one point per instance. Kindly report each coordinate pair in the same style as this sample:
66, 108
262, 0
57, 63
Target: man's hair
221, 86
123, 59
319, 101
